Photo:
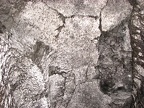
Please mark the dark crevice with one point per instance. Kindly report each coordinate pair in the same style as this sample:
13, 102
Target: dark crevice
106, 85
111, 46
100, 18
2, 27
56, 70
40, 95
133, 2
137, 47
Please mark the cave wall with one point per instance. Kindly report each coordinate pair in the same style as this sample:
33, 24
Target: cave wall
71, 53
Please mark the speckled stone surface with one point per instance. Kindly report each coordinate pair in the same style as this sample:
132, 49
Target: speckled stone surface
71, 53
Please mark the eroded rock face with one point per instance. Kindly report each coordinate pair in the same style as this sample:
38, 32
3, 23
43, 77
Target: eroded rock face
69, 53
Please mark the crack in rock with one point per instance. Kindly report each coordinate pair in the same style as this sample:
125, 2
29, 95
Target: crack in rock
71, 54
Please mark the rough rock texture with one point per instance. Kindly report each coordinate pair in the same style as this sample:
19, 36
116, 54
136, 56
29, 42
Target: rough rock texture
71, 53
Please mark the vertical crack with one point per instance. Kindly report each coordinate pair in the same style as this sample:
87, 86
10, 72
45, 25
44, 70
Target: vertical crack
133, 3
100, 28
62, 17
100, 20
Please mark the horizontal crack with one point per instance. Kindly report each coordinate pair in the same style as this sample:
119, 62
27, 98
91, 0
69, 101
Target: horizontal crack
63, 18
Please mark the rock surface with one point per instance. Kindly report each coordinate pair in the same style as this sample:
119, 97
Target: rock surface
71, 53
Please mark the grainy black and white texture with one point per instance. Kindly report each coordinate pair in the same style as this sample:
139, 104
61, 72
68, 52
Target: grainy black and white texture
71, 53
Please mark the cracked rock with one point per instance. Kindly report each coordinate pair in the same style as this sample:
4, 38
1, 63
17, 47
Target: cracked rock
71, 53
77, 7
